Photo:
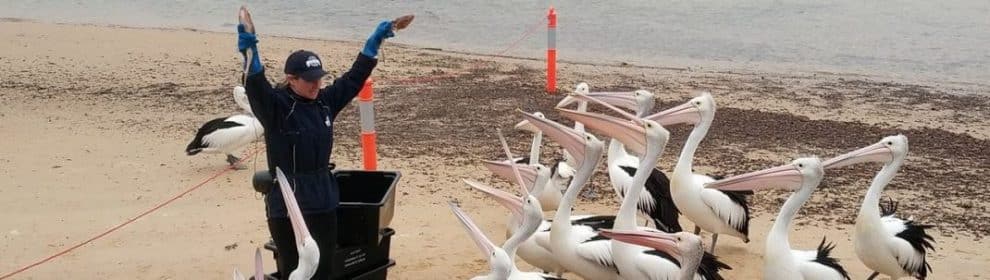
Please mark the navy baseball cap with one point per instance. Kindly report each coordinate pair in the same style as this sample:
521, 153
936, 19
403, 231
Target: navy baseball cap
305, 64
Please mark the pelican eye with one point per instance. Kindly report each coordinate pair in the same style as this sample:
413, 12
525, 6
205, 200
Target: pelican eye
800, 165
889, 143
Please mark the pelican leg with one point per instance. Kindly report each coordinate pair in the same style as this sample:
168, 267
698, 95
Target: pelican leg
697, 230
714, 239
233, 161
874, 275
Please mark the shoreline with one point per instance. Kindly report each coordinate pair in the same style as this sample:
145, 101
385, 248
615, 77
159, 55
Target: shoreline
958, 87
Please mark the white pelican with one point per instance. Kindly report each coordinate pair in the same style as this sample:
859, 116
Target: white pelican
536, 177
578, 248
886, 244
530, 250
718, 212
683, 252
228, 134
309, 253
503, 259
649, 139
259, 272
563, 170
655, 202
502, 265
781, 262
534, 148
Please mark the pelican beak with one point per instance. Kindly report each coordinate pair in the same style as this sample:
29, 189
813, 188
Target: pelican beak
568, 100
259, 267
686, 113
526, 126
477, 235
295, 215
785, 176
508, 200
504, 170
873, 153
572, 140
626, 100
627, 132
657, 240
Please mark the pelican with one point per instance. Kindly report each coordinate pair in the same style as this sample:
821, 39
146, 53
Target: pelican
534, 148
682, 251
259, 269
563, 170
886, 244
530, 250
655, 202
537, 179
528, 208
781, 262
502, 260
228, 134
560, 174
502, 265
576, 247
718, 212
309, 253
649, 139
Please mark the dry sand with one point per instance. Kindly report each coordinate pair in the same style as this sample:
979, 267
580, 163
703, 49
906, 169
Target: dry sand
94, 120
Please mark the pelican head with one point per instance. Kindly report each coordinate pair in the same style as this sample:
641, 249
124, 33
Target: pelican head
629, 131
802, 172
639, 101
581, 88
526, 126
696, 110
240, 97
685, 247
582, 146
309, 252
501, 264
889, 149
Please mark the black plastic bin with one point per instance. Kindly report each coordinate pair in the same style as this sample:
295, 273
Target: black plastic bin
367, 204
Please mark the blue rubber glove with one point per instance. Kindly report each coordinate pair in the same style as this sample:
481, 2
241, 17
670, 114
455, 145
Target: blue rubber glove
246, 41
374, 42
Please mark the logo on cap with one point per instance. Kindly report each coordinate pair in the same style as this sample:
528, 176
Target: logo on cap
312, 61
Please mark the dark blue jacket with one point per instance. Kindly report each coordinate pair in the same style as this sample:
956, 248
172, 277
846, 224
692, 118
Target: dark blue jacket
299, 136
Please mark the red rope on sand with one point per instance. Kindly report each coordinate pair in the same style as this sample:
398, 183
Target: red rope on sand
129, 221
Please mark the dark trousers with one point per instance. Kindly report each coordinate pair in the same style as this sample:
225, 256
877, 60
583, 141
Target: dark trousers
323, 228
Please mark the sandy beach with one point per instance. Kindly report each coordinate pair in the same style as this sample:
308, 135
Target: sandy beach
94, 121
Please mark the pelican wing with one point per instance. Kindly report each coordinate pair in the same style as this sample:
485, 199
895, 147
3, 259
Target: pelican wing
728, 210
597, 250
594, 222
902, 233
819, 264
243, 129
657, 264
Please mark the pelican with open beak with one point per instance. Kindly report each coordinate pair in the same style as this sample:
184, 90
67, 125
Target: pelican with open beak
309, 253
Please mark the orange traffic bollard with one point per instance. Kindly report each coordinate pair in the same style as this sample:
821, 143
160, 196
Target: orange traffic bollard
366, 106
